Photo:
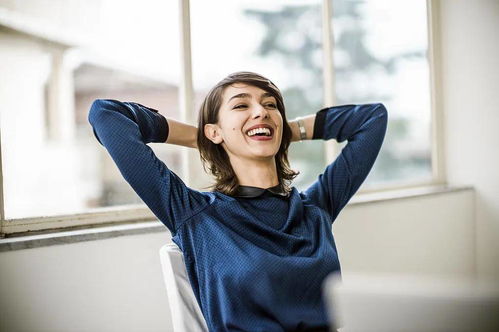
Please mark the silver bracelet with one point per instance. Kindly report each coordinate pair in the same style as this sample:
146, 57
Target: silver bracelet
301, 125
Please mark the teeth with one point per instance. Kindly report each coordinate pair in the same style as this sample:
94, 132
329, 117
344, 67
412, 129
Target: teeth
253, 132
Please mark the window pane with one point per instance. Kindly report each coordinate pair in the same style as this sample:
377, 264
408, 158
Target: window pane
380, 55
74, 53
280, 40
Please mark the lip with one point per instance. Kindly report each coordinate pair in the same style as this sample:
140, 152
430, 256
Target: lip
261, 138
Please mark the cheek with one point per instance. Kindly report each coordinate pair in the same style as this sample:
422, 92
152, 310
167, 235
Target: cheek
234, 126
279, 123
232, 132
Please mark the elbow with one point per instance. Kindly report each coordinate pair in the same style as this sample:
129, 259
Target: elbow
382, 115
96, 114
101, 106
381, 109
96, 109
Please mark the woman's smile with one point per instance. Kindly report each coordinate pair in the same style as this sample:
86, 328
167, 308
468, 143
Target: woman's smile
261, 133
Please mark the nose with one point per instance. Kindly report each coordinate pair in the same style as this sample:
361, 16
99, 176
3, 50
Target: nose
260, 111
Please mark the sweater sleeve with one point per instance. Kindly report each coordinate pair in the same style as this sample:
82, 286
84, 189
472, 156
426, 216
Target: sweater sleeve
124, 129
364, 126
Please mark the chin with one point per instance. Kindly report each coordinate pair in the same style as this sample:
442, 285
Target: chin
265, 154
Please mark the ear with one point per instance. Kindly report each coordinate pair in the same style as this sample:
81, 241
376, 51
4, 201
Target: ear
212, 132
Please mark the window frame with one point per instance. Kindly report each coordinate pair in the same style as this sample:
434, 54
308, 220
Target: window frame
139, 212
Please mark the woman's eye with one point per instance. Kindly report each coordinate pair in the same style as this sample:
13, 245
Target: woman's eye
268, 105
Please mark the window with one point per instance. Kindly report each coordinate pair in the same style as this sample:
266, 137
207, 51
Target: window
53, 66
380, 55
51, 163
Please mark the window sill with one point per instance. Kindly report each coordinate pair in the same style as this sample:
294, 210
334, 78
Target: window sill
388, 195
88, 234
106, 232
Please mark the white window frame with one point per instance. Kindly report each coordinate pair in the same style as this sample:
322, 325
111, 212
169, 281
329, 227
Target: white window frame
140, 212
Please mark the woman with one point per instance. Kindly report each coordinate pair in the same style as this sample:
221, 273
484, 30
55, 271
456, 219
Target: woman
256, 250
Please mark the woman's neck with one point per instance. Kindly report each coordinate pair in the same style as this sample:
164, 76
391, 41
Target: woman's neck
256, 173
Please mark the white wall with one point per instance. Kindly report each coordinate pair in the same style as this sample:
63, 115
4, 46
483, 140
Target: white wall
427, 235
104, 285
470, 78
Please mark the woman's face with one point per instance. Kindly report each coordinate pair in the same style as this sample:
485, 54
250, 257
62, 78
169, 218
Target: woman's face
244, 107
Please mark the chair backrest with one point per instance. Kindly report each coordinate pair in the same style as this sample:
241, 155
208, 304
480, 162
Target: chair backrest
185, 311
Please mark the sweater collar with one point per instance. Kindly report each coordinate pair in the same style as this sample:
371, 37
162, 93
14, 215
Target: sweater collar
252, 192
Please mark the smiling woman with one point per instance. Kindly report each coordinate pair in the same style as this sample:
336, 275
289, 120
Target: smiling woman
257, 250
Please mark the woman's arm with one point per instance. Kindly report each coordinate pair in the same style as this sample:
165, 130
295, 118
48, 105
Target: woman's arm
309, 121
364, 127
125, 129
182, 134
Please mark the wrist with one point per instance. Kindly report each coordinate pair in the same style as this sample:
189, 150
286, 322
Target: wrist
295, 130
301, 128
308, 123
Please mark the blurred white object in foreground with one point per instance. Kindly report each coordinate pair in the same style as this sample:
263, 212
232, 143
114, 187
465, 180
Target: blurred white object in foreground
409, 303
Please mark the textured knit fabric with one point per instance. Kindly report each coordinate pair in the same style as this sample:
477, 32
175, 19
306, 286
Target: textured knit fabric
256, 263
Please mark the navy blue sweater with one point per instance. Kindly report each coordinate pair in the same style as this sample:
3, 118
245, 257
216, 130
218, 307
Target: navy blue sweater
255, 263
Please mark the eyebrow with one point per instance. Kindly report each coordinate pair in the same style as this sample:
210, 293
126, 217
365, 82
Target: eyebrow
247, 95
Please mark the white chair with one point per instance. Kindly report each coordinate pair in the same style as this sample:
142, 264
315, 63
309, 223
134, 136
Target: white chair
185, 311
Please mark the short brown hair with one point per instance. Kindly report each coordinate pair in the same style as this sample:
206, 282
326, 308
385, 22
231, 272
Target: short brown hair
215, 157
